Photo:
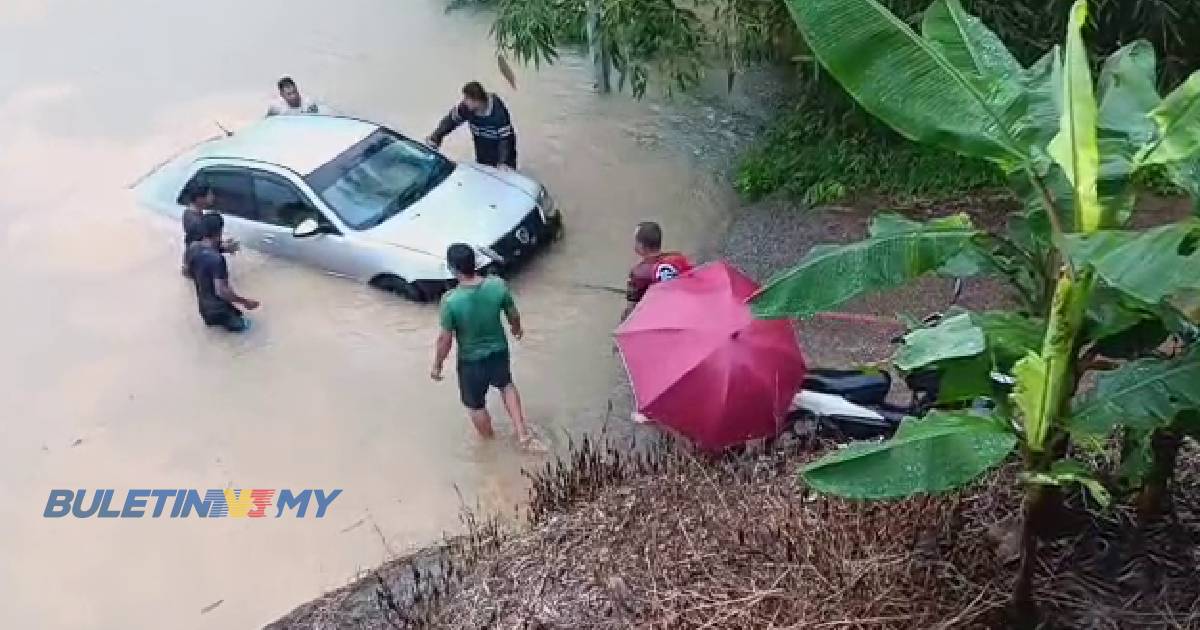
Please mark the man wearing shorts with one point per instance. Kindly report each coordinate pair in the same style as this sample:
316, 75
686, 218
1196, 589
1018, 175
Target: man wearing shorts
470, 315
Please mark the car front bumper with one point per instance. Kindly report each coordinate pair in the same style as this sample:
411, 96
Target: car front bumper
528, 237
513, 250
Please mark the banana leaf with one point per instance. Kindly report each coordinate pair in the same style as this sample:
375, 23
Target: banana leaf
1010, 336
974, 260
1043, 382
972, 49
832, 274
1037, 206
953, 338
1186, 175
941, 452
1076, 148
1030, 397
1003, 336
965, 380
1149, 266
1127, 95
1123, 328
1142, 395
1065, 472
1178, 121
1042, 83
908, 82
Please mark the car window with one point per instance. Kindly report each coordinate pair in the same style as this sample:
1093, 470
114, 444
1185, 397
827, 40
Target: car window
378, 178
233, 193
196, 180
279, 202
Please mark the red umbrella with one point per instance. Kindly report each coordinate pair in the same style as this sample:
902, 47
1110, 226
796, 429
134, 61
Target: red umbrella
702, 365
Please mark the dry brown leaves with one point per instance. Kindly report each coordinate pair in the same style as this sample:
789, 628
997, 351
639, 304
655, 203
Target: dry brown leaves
736, 544
659, 539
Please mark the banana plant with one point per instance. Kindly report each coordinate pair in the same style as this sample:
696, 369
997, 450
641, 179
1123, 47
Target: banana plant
1094, 293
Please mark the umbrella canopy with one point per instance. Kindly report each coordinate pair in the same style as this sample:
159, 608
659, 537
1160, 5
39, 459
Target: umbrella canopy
702, 365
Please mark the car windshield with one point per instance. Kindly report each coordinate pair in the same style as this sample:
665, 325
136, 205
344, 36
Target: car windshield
378, 178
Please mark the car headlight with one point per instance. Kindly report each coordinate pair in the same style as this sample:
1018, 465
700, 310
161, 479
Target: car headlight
546, 203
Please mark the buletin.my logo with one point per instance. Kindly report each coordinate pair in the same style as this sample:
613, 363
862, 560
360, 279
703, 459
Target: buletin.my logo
187, 503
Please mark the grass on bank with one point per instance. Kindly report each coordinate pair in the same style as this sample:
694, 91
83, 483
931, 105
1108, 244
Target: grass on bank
816, 155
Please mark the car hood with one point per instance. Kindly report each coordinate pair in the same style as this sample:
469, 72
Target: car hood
476, 205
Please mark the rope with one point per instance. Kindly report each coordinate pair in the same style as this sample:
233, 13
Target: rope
861, 318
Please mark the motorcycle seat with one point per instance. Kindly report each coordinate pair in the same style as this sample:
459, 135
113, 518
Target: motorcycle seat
863, 387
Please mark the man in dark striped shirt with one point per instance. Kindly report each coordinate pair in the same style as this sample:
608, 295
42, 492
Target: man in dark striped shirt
491, 127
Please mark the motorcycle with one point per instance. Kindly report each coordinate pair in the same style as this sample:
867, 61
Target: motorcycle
852, 404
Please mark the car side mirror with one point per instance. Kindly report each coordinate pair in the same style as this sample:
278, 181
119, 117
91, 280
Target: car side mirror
307, 228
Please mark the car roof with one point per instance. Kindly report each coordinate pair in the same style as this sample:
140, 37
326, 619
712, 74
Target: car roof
302, 143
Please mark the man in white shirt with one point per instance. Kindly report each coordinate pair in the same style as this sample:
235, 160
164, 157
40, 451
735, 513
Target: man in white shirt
290, 101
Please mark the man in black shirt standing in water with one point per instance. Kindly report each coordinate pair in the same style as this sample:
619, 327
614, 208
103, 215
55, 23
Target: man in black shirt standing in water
214, 295
491, 127
200, 200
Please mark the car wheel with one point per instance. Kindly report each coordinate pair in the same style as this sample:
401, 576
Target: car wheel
399, 286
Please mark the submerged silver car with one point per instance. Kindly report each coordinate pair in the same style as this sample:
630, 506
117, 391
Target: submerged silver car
358, 200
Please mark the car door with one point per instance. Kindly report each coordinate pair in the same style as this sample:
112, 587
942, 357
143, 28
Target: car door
235, 201
282, 205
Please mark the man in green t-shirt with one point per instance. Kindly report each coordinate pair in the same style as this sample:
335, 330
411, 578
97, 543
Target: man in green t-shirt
470, 314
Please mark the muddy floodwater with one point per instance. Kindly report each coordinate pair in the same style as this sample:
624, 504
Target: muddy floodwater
109, 380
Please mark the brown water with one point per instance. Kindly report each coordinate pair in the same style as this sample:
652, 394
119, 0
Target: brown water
108, 380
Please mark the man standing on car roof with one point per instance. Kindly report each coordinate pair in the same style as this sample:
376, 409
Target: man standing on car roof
215, 297
491, 127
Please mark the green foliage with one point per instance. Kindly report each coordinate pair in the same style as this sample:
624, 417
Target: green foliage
1076, 147
953, 338
1142, 396
1123, 327
966, 348
1126, 96
893, 255
1072, 150
941, 452
1066, 472
1149, 266
1002, 337
816, 156
741, 31
1178, 121
534, 30
668, 40
1186, 175
1030, 27
908, 81
1157, 180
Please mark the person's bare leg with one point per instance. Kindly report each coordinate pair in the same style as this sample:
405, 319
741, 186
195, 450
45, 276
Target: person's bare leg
512, 404
483, 422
